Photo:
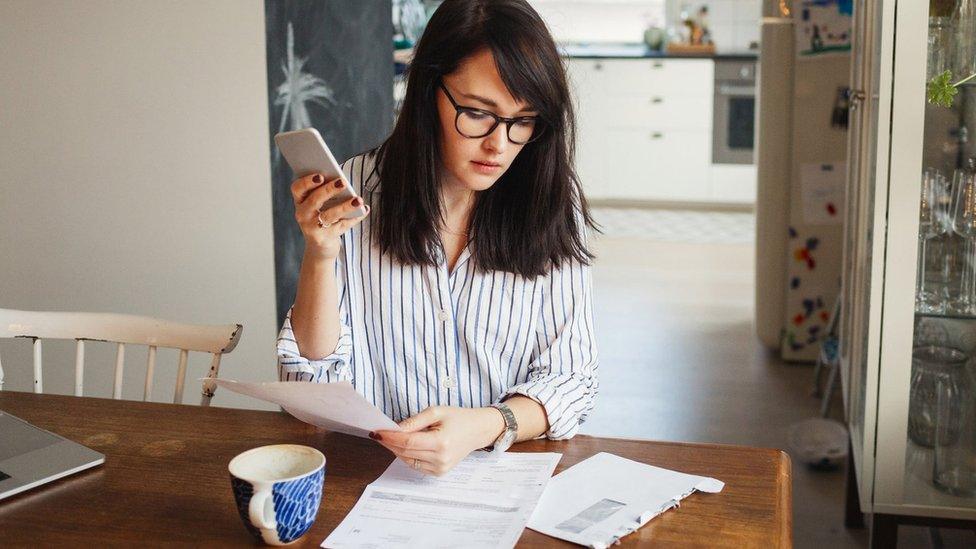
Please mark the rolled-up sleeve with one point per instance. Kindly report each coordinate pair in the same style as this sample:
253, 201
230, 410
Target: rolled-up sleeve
292, 366
562, 374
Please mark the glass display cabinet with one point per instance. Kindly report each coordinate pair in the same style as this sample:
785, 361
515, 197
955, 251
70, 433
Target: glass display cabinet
908, 319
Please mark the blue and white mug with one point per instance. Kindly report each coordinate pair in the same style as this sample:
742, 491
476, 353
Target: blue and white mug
278, 490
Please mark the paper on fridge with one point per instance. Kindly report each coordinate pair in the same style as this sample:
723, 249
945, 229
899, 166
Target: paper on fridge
484, 502
605, 497
333, 406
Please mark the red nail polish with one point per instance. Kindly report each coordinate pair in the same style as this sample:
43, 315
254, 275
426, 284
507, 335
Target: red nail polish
375, 436
356, 202
338, 184
316, 179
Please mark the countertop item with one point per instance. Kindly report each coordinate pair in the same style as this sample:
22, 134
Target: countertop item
165, 478
636, 50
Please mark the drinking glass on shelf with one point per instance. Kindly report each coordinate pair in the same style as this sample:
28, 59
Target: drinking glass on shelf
930, 331
933, 221
940, 38
964, 224
964, 46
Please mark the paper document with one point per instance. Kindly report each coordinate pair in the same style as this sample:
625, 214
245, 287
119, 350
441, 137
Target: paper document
333, 406
605, 497
485, 501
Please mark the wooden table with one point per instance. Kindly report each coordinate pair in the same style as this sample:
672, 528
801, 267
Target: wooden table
165, 479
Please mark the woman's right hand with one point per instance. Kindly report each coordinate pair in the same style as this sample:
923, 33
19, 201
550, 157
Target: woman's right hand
310, 193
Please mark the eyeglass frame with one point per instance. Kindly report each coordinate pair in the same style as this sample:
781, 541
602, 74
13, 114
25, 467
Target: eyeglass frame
458, 109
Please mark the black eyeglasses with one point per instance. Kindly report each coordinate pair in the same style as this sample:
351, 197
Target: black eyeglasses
474, 123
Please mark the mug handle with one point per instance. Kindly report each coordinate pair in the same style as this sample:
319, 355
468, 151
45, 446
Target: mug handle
256, 508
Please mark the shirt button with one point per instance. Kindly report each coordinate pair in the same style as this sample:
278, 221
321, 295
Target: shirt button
443, 315
449, 383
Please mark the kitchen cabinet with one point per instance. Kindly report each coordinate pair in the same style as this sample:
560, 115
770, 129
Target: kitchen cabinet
733, 183
644, 127
894, 137
645, 132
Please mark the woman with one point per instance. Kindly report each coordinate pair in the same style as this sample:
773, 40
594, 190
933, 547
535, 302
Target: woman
460, 304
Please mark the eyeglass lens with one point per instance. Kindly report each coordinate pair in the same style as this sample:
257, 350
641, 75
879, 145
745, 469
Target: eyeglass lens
478, 124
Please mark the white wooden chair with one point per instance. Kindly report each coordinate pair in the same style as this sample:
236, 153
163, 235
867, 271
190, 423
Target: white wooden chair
122, 330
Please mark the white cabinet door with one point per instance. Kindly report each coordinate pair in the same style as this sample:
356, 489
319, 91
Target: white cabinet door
638, 164
644, 128
734, 183
659, 111
677, 77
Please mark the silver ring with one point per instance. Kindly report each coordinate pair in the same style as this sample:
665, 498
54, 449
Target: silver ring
322, 224
416, 464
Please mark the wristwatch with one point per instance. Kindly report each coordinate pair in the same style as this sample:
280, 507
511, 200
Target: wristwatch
508, 436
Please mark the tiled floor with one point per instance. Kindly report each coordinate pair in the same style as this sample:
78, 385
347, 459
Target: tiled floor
673, 225
679, 360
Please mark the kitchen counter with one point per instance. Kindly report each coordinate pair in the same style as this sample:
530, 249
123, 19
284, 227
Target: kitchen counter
641, 51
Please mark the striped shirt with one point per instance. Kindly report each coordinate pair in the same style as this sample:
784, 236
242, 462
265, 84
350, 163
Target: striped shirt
416, 336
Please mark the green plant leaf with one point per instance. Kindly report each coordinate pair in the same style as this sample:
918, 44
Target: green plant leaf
941, 91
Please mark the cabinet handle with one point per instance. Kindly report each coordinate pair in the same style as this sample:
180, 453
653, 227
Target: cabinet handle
657, 135
598, 66
657, 100
657, 64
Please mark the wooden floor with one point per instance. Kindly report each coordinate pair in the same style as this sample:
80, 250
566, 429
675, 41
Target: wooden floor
679, 361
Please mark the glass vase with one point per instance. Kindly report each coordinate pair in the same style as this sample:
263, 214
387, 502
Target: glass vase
939, 389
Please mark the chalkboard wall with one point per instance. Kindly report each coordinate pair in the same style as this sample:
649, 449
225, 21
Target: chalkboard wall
330, 66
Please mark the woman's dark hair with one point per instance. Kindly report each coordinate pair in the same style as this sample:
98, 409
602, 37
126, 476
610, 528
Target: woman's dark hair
529, 220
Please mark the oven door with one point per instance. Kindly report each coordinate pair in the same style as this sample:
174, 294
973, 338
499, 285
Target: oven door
733, 133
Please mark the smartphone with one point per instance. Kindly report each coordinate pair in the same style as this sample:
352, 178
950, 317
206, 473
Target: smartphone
307, 153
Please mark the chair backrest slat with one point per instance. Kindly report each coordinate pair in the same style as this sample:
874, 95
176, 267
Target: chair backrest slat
150, 366
180, 378
119, 366
38, 385
209, 386
121, 330
79, 367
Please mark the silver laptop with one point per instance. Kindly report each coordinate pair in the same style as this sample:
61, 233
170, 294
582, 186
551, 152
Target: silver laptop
30, 456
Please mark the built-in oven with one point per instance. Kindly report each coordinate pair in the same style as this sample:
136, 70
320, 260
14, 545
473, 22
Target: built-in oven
733, 131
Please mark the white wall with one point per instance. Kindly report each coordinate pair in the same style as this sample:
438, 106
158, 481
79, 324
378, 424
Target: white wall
734, 23
600, 20
134, 177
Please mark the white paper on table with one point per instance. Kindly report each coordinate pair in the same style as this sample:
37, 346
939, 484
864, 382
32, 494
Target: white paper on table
333, 406
605, 497
485, 501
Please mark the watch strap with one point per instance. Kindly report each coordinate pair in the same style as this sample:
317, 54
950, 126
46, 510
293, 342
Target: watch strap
505, 440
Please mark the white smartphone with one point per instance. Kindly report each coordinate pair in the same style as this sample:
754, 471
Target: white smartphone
307, 153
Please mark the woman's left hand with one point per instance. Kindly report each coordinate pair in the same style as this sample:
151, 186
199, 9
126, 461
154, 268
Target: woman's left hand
435, 440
